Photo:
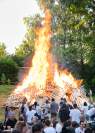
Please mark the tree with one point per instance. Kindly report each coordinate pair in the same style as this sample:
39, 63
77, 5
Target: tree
73, 25
18, 59
2, 50
8, 68
24, 49
3, 78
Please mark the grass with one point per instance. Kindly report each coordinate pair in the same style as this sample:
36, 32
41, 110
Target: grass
93, 98
5, 91
1, 114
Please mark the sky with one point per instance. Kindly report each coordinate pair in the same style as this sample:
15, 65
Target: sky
12, 29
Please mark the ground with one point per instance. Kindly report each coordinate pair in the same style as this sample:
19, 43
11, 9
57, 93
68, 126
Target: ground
5, 91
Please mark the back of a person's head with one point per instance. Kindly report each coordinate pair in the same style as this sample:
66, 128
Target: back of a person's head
68, 123
47, 123
35, 103
62, 98
12, 108
6, 108
24, 100
30, 108
37, 127
85, 103
63, 101
52, 99
20, 125
21, 118
70, 106
75, 124
47, 101
75, 105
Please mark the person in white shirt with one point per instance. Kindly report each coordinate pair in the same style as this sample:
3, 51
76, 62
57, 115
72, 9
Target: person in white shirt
48, 128
30, 114
75, 114
56, 124
58, 127
81, 128
47, 106
85, 108
90, 113
38, 110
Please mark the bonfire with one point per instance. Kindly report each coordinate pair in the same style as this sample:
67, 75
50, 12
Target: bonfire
44, 78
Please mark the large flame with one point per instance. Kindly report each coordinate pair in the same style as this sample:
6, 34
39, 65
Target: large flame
44, 78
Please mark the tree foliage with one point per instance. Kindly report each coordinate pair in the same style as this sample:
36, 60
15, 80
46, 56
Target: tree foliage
73, 25
8, 69
3, 78
2, 50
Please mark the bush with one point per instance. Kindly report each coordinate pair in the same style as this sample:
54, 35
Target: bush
18, 59
8, 81
93, 81
3, 78
8, 67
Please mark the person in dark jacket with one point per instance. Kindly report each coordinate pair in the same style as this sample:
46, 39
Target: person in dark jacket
10, 123
64, 113
67, 127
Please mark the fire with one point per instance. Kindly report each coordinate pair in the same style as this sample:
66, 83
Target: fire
44, 78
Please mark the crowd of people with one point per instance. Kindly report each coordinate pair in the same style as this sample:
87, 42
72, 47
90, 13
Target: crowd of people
51, 117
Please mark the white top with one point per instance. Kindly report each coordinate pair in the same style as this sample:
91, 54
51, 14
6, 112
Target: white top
26, 108
49, 130
75, 115
79, 130
30, 115
91, 112
58, 128
47, 107
85, 109
38, 110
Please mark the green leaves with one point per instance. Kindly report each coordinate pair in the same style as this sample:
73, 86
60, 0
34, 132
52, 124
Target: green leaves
73, 25
8, 69
2, 50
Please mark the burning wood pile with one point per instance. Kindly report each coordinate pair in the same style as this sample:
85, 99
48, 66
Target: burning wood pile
44, 77
14, 100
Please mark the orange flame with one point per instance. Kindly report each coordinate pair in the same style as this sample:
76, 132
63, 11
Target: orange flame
44, 78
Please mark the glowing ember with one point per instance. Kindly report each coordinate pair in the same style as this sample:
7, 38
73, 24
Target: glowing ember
44, 78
